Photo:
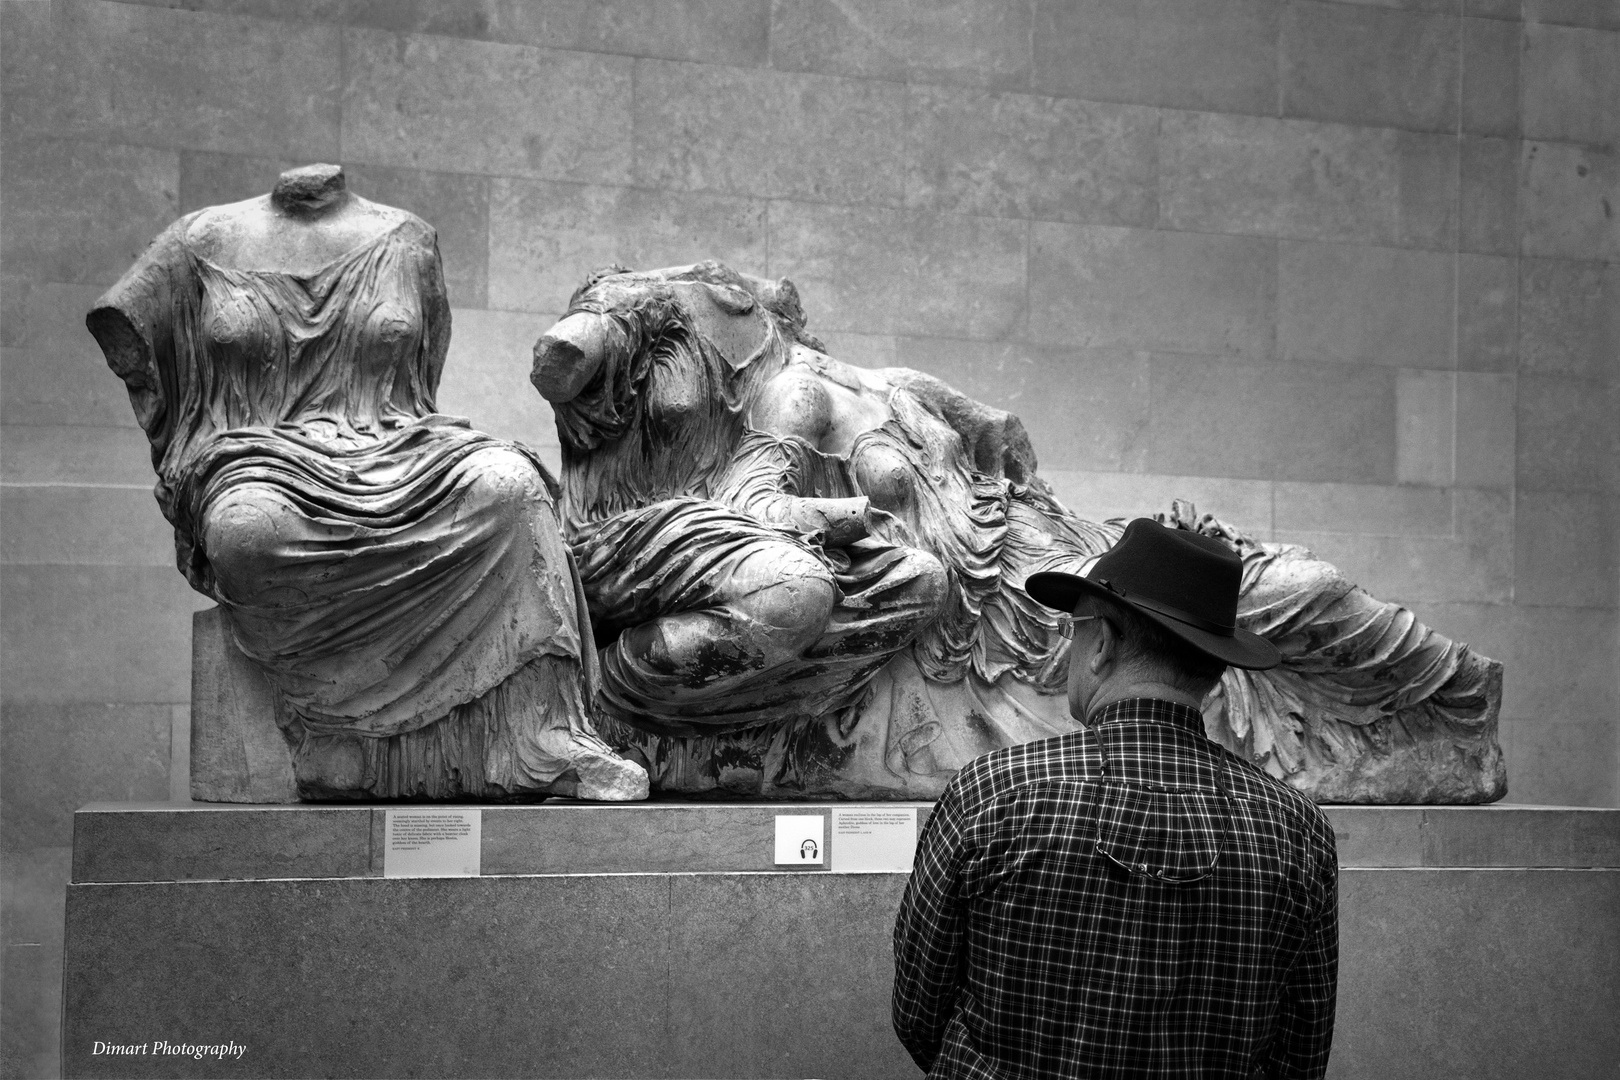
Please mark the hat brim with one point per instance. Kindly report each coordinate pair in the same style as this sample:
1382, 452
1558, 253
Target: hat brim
1055, 589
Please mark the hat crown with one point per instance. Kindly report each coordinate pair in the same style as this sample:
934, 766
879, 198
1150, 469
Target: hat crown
1183, 574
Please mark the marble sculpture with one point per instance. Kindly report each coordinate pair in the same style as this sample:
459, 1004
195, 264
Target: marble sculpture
398, 576
805, 577
765, 573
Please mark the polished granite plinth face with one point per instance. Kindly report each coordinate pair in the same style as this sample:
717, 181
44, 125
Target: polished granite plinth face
661, 940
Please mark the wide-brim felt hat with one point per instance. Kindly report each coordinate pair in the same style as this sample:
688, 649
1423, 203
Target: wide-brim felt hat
1183, 581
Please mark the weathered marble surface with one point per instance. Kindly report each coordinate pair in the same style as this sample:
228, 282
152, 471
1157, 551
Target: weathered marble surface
396, 579
805, 577
238, 755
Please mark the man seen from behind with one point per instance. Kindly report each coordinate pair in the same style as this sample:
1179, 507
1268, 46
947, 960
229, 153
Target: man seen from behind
1130, 899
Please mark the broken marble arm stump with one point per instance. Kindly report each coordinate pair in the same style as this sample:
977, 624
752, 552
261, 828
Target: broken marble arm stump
238, 753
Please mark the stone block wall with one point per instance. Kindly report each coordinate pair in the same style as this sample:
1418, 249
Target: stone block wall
1346, 274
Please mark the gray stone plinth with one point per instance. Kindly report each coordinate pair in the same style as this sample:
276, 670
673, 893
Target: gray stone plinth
659, 940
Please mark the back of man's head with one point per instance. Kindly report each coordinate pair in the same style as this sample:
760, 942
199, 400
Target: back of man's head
1150, 653
1169, 599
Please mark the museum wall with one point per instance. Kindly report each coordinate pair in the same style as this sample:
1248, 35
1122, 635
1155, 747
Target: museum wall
1344, 274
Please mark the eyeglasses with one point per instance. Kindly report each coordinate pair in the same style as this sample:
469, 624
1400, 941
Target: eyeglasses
1067, 623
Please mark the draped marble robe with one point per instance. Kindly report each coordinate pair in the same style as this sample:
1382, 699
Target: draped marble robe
1369, 704
398, 576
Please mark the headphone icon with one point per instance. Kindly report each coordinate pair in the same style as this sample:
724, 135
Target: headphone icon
808, 850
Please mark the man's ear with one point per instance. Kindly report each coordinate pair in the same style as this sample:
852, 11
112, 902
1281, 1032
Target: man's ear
1105, 652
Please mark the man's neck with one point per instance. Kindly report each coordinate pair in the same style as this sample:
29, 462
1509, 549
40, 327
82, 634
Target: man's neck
1124, 690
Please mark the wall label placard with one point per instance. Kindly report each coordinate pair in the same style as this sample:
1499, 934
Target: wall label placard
873, 840
801, 840
437, 842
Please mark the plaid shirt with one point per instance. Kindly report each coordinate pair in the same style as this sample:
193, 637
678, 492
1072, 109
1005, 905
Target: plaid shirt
1127, 900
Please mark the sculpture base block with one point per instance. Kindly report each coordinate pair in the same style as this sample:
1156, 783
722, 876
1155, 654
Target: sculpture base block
238, 754
660, 940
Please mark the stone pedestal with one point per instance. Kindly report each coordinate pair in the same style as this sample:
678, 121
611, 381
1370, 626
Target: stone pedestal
660, 940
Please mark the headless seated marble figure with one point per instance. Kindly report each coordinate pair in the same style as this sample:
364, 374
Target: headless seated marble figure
806, 577
398, 576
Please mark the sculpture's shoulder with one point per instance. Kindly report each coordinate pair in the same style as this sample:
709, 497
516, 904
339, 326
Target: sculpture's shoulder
406, 228
133, 317
166, 254
804, 362
215, 232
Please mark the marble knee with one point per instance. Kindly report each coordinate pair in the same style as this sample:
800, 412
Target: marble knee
919, 583
775, 604
246, 535
787, 594
501, 481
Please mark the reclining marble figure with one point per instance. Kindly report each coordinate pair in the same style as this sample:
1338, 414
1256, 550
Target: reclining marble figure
399, 577
805, 578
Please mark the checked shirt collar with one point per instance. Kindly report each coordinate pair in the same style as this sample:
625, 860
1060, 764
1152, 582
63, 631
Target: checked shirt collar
1159, 746
1151, 710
